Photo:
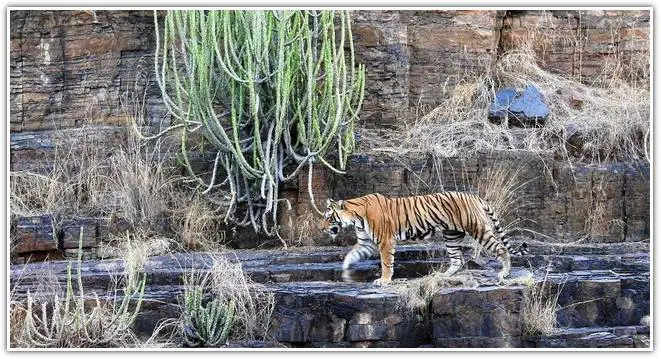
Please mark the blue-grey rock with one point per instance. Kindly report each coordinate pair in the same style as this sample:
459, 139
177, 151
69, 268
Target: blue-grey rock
524, 110
530, 103
502, 103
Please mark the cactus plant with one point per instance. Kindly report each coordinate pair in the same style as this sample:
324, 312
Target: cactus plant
208, 324
269, 91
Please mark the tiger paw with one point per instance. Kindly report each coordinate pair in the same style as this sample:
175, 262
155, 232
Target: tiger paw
347, 275
501, 278
382, 282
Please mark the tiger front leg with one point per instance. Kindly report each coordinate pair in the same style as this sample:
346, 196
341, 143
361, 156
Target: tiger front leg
364, 249
387, 252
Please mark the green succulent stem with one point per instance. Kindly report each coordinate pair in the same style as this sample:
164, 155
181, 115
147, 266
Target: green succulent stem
266, 89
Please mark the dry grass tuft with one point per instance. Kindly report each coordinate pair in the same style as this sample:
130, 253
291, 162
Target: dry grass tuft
540, 308
33, 193
135, 249
142, 185
17, 319
457, 125
136, 246
76, 183
254, 304
605, 121
305, 229
416, 294
527, 280
500, 187
503, 186
200, 226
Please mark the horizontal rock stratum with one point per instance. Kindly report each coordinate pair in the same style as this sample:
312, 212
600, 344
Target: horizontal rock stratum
603, 295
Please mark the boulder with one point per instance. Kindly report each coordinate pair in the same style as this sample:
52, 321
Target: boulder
525, 109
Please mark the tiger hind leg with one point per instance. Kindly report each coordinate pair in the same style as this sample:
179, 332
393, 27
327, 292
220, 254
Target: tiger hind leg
498, 250
503, 257
454, 240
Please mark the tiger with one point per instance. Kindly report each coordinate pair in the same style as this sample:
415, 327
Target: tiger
380, 222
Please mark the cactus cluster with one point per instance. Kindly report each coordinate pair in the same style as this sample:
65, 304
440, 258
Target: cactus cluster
269, 92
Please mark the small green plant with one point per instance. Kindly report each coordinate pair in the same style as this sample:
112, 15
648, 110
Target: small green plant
208, 324
77, 320
221, 303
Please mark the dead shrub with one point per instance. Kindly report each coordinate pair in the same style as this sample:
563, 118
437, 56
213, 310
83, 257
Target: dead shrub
416, 294
540, 308
305, 230
604, 120
198, 226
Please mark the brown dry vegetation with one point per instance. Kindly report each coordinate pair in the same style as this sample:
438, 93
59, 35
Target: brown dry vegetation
199, 226
540, 308
223, 285
416, 294
137, 183
76, 184
606, 119
305, 228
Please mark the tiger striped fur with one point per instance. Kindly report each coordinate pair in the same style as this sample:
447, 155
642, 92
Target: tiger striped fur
380, 222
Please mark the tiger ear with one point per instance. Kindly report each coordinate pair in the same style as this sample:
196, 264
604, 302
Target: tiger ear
329, 202
340, 204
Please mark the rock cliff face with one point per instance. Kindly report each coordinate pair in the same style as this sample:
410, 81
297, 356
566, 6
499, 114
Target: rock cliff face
580, 42
73, 69
69, 68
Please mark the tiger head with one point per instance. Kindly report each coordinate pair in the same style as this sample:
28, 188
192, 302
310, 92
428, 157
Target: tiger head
335, 217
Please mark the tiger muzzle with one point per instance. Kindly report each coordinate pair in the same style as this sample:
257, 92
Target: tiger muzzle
332, 230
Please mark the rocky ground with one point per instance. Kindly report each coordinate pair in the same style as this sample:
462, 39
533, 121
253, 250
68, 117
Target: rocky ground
604, 294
